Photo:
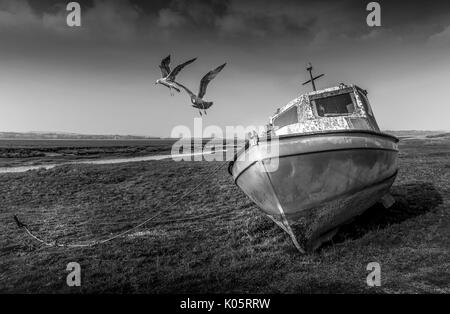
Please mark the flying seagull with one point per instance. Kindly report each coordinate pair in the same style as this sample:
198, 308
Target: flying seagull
197, 100
168, 76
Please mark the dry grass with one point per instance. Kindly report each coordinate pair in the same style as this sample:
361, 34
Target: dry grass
234, 248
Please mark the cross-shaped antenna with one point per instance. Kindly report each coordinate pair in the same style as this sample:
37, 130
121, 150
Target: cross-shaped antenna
309, 68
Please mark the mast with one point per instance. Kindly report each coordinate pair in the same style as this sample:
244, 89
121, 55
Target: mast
312, 78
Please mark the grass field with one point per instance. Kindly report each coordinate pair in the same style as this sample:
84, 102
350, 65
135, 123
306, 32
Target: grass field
232, 248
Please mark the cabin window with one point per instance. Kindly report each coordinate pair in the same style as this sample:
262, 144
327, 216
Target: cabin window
286, 118
336, 105
368, 110
365, 103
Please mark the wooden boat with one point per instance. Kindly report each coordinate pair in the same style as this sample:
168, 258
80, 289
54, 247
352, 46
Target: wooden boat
322, 162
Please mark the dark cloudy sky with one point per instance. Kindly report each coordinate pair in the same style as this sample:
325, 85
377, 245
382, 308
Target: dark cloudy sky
99, 78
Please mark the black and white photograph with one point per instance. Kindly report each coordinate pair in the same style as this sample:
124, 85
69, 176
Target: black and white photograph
254, 148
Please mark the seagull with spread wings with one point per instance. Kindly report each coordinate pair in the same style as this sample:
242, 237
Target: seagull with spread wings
168, 75
197, 100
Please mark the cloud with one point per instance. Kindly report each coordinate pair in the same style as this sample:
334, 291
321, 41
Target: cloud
247, 23
113, 19
104, 19
442, 37
231, 24
17, 13
169, 18
201, 13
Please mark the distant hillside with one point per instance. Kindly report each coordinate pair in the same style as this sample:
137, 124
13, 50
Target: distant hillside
416, 133
440, 135
68, 136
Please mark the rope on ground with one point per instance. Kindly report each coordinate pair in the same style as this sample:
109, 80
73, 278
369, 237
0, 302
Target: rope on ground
120, 234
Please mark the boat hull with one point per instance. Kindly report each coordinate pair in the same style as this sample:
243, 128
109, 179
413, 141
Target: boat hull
320, 181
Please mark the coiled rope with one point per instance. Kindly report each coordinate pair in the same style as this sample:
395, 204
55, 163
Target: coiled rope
120, 234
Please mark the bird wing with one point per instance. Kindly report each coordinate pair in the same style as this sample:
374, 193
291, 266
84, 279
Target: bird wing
207, 78
207, 104
178, 68
185, 88
165, 66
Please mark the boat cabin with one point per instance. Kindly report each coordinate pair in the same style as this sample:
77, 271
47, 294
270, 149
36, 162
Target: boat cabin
341, 107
